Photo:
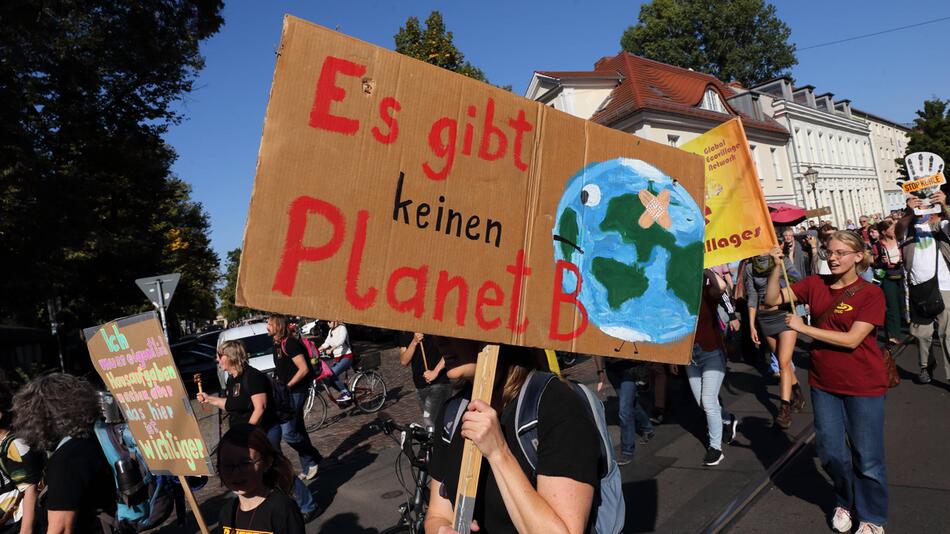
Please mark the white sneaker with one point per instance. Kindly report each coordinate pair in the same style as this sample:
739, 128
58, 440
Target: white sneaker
345, 397
869, 528
841, 521
310, 474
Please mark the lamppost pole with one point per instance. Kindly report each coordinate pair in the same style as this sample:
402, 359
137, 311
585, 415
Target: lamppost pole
811, 176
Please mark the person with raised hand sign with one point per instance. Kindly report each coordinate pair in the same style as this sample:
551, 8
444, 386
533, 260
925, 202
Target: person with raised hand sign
848, 378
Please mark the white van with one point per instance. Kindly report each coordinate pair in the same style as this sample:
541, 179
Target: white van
258, 344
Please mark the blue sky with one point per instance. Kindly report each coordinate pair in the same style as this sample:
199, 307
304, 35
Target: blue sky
888, 75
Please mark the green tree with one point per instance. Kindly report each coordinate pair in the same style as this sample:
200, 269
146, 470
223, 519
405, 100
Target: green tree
931, 132
734, 40
88, 201
227, 292
435, 45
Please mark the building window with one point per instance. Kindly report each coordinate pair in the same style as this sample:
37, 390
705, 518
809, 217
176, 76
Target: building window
673, 140
776, 168
755, 161
712, 102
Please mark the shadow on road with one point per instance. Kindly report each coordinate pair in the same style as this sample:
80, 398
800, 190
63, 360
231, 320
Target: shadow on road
641, 499
346, 522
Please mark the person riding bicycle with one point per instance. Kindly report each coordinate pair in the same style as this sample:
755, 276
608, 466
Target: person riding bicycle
337, 345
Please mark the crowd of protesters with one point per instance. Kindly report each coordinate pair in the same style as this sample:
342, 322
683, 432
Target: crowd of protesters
823, 290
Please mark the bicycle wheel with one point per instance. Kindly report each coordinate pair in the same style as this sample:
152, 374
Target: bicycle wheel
314, 411
369, 391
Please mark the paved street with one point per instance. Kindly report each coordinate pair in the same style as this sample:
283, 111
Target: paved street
666, 487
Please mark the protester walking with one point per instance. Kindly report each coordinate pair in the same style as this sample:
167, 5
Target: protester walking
337, 345
249, 399
889, 265
848, 379
558, 495
428, 372
925, 245
56, 413
707, 370
633, 417
771, 323
262, 480
794, 251
292, 367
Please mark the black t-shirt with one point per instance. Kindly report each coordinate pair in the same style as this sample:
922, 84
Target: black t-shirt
568, 446
238, 391
278, 514
433, 355
79, 479
284, 364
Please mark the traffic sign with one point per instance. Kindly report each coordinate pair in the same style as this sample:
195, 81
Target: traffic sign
150, 285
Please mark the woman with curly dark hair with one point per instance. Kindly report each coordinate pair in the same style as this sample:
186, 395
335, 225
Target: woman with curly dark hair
56, 413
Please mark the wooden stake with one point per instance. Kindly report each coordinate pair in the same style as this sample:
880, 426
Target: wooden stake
791, 294
194, 504
485, 368
425, 361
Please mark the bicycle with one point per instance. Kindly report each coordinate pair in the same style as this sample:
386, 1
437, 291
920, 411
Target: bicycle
368, 390
415, 444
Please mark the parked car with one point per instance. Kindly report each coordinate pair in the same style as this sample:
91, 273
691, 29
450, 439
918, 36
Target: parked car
193, 359
258, 344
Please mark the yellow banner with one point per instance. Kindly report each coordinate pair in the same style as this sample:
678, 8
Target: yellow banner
738, 225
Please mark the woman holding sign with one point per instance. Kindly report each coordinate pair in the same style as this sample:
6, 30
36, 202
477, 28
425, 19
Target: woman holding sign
554, 497
848, 379
249, 400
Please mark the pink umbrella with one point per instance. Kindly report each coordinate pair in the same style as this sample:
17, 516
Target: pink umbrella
788, 214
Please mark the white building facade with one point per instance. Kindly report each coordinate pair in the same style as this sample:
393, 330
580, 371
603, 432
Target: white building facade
827, 137
889, 143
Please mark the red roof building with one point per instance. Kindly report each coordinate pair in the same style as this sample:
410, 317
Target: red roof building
670, 105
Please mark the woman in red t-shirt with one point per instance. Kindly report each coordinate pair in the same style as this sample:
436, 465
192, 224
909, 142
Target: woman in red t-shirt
848, 379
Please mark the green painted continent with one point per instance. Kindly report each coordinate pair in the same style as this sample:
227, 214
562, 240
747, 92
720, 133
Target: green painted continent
623, 282
683, 271
568, 230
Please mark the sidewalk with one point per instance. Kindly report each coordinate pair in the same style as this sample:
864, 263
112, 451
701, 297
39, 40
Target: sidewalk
918, 465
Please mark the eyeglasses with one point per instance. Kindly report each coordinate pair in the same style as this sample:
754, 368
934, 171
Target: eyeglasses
840, 253
243, 466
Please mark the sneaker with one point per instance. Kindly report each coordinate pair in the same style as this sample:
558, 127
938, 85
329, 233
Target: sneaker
729, 430
310, 474
645, 438
784, 418
656, 416
798, 400
841, 521
869, 528
345, 397
924, 376
624, 459
713, 456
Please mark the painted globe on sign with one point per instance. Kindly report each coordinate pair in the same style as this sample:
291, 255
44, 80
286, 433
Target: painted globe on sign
638, 284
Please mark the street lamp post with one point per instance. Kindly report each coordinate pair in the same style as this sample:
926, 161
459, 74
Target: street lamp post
811, 176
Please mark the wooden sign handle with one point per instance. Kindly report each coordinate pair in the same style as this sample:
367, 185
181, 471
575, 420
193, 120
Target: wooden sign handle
425, 361
485, 368
194, 504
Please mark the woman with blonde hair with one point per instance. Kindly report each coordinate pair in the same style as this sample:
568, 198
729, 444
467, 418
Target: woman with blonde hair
848, 379
558, 494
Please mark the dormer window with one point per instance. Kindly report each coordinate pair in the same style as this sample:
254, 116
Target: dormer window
712, 102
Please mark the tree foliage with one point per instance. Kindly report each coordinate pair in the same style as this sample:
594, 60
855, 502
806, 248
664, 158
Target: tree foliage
433, 44
88, 202
931, 132
227, 292
734, 40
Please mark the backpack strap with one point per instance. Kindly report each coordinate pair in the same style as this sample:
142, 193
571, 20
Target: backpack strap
526, 414
454, 410
596, 409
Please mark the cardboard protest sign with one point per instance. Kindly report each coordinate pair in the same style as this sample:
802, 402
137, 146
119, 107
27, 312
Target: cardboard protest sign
738, 225
924, 178
133, 359
393, 193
